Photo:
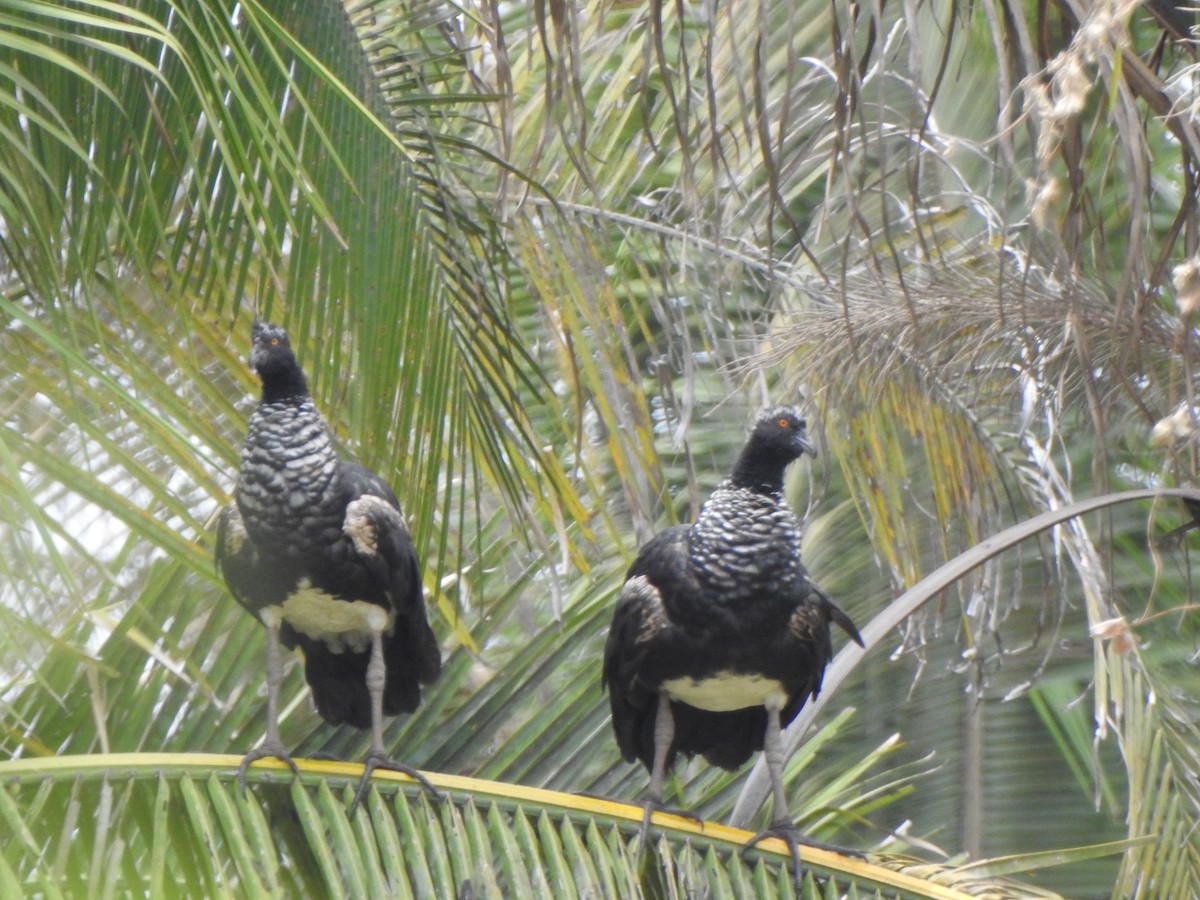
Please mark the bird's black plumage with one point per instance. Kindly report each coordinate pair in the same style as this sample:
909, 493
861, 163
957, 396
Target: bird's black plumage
720, 621
317, 547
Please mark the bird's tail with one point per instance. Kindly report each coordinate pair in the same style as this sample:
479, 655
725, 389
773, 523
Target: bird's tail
338, 681
413, 659
838, 616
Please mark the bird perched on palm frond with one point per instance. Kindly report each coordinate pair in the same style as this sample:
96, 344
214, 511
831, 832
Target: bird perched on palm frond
719, 635
318, 549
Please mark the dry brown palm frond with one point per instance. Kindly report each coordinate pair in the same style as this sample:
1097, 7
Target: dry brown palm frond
961, 321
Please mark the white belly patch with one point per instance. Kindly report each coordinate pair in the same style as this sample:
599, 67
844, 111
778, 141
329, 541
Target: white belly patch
341, 624
727, 691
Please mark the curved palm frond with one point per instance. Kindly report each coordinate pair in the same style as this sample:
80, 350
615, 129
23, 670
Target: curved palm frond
173, 822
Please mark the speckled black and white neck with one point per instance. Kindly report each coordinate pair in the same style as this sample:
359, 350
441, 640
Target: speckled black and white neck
746, 543
287, 486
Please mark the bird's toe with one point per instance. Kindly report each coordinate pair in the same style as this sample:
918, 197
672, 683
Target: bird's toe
795, 839
266, 750
653, 806
378, 760
790, 836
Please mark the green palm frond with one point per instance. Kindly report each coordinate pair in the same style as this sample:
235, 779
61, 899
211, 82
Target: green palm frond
178, 823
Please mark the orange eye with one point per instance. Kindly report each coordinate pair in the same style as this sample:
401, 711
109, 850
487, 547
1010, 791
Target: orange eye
784, 423
274, 342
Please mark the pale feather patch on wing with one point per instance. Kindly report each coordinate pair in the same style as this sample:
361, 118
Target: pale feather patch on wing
652, 617
727, 691
805, 621
232, 530
362, 521
340, 624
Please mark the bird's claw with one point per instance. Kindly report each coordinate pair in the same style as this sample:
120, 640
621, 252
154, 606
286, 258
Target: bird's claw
266, 750
649, 807
795, 839
378, 760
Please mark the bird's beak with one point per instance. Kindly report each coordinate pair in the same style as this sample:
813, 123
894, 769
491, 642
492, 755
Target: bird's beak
806, 445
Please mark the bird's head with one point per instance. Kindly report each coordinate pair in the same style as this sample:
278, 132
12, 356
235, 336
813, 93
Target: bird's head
779, 438
781, 429
272, 359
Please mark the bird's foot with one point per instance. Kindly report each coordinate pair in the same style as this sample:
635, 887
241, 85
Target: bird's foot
787, 832
649, 807
268, 749
377, 759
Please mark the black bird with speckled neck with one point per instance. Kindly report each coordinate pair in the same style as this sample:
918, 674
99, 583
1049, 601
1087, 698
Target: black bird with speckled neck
318, 549
720, 635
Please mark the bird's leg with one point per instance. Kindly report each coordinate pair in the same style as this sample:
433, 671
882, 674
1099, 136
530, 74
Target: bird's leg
773, 750
272, 744
664, 733
377, 756
782, 826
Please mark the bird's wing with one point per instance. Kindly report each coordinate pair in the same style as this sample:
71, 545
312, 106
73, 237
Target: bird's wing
380, 535
811, 646
639, 616
639, 619
663, 561
361, 480
237, 559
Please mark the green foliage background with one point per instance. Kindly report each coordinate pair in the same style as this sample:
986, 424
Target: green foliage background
541, 263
